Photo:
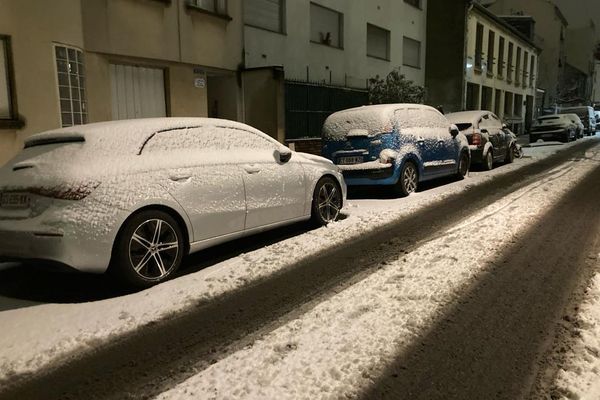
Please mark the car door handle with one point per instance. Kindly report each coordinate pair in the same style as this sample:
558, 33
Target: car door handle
251, 169
180, 178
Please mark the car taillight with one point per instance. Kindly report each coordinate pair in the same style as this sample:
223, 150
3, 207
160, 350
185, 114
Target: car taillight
476, 138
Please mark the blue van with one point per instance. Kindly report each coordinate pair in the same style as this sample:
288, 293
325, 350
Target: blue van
394, 144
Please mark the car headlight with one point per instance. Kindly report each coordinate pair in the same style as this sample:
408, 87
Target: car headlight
387, 156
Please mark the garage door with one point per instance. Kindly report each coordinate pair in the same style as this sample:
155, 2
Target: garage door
137, 92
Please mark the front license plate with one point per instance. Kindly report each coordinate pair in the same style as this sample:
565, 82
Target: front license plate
14, 200
350, 160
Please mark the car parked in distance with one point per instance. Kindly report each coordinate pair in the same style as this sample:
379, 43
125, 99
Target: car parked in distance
134, 197
597, 113
488, 138
553, 127
399, 145
580, 127
586, 114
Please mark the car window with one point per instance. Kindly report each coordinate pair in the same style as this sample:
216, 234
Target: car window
408, 118
208, 138
488, 122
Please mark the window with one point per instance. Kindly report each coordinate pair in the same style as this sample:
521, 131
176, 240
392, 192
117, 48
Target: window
508, 103
486, 98
518, 105
479, 47
510, 62
265, 14
213, 6
207, 138
525, 68
501, 57
411, 55
497, 102
490, 55
518, 66
378, 42
472, 96
326, 26
532, 71
71, 85
8, 107
414, 3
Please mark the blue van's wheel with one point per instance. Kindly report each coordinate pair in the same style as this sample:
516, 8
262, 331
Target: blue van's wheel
409, 179
463, 165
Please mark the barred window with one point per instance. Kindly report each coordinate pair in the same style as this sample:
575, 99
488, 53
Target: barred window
71, 85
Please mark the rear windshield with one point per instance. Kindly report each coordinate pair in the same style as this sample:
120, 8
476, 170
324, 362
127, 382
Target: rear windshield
371, 122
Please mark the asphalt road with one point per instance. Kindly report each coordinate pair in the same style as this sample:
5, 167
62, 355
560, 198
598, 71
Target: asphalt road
467, 355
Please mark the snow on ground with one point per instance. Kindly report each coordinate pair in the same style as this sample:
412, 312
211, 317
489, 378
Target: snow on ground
340, 347
37, 336
579, 349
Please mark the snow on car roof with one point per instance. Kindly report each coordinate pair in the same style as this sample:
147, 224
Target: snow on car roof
373, 118
466, 116
131, 134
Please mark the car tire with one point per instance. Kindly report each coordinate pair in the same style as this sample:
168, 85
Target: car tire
488, 160
510, 154
148, 249
326, 202
463, 165
566, 138
409, 179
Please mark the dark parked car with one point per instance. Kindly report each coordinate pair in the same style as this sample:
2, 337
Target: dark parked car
553, 127
488, 140
586, 114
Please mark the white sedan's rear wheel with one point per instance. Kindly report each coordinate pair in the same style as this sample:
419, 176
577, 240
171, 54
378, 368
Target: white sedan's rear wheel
327, 201
149, 249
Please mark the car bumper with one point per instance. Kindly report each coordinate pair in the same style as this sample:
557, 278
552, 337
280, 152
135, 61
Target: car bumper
557, 134
476, 154
373, 176
71, 236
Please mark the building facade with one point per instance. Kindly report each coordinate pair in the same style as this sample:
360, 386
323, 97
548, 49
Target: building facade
326, 50
481, 63
84, 61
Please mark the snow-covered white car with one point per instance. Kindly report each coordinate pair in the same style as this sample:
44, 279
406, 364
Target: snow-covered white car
134, 197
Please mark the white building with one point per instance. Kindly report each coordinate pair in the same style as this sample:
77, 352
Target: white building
480, 62
329, 44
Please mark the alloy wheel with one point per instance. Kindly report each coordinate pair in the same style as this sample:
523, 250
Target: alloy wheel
329, 202
153, 249
409, 178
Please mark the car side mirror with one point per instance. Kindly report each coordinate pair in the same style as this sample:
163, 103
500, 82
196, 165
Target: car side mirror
504, 126
485, 131
284, 155
453, 131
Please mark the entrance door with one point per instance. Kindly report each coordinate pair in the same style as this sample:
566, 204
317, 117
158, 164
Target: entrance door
137, 92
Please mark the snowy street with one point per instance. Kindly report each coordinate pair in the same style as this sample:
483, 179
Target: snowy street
453, 292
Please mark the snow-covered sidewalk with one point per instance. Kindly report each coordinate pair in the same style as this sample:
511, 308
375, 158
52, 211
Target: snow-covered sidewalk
39, 336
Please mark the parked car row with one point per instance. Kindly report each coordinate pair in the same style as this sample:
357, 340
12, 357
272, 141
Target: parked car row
132, 198
569, 123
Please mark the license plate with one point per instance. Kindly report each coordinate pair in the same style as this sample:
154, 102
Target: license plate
350, 160
14, 200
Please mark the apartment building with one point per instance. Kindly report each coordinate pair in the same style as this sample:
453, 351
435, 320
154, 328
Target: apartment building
481, 62
325, 52
77, 61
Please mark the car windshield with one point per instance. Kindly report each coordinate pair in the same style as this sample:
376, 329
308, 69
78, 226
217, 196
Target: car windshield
463, 126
